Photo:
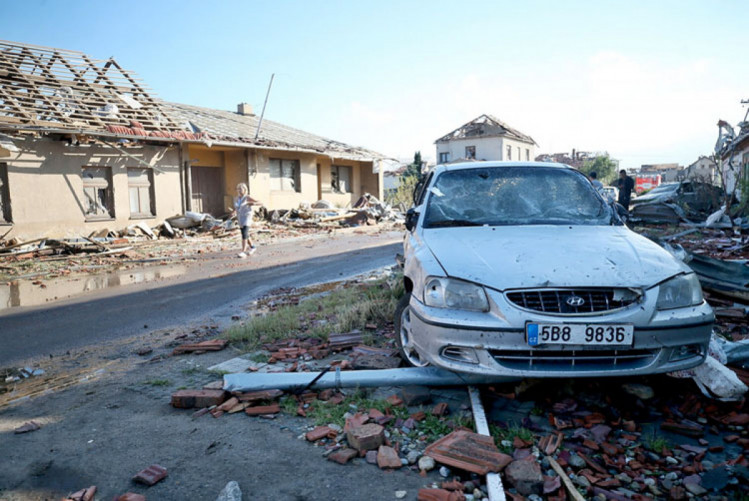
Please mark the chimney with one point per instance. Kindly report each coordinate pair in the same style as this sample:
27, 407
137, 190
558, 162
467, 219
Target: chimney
245, 109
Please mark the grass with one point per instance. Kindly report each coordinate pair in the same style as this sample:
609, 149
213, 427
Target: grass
157, 382
341, 310
500, 434
656, 443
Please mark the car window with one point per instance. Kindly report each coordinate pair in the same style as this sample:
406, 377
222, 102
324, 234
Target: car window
513, 196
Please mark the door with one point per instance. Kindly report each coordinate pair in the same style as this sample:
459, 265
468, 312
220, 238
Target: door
208, 190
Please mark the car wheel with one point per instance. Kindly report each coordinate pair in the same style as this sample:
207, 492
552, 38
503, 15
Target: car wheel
403, 333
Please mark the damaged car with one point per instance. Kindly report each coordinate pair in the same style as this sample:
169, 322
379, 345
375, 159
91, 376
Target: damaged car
694, 197
523, 269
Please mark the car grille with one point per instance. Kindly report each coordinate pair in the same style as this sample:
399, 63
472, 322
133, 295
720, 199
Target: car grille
585, 301
574, 360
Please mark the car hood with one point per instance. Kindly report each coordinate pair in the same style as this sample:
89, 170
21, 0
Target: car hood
508, 257
654, 197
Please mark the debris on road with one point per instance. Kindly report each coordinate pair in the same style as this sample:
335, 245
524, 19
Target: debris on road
201, 347
27, 427
83, 494
151, 475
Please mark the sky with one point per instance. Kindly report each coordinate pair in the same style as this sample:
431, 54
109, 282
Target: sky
645, 81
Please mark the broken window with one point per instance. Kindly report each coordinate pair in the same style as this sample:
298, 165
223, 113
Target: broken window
509, 153
4, 195
97, 192
527, 155
444, 157
340, 178
140, 189
284, 175
470, 152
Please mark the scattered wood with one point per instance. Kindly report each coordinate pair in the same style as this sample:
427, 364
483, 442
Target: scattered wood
574, 494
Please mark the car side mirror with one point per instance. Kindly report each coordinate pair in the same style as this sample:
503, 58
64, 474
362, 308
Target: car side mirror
412, 216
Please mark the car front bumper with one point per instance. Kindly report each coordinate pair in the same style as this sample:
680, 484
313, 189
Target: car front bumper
495, 343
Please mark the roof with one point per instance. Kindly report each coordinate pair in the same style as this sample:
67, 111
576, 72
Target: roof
486, 126
47, 88
229, 127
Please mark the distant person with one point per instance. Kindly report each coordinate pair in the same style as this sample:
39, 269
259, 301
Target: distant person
598, 185
243, 211
625, 184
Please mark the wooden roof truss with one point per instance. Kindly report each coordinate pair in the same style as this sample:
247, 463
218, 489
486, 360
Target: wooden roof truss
61, 89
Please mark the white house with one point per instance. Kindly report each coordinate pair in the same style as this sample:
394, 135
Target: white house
485, 138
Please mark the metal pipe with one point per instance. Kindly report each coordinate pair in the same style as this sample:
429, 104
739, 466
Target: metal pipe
420, 376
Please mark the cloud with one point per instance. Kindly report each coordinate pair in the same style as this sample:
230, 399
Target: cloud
640, 110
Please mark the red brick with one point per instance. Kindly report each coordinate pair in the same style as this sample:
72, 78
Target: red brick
189, 399
418, 416
366, 437
130, 496
212, 345
151, 475
394, 400
453, 485
83, 495
610, 449
319, 433
226, 406
343, 456
356, 420
440, 409
469, 451
590, 445
388, 458
255, 396
262, 410
439, 495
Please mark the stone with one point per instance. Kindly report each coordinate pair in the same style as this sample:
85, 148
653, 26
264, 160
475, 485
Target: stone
672, 460
444, 471
376, 362
343, 456
576, 461
715, 479
400, 494
231, 492
151, 475
415, 395
582, 481
426, 463
641, 391
371, 457
366, 437
525, 476
413, 457
388, 458
677, 493
695, 489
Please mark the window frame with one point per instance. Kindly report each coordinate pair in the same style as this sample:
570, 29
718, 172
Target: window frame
444, 157
296, 175
140, 185
96, 184
6, 212
335, 185
471, 152
509, 152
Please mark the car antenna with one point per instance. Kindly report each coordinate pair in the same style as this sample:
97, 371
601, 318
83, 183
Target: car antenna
262, 113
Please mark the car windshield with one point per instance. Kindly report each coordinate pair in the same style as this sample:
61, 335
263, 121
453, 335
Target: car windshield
664, 187
513, 196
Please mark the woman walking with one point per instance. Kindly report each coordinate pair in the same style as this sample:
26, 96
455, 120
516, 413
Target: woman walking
243, 211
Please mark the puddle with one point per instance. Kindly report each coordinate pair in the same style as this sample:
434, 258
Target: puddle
25, 293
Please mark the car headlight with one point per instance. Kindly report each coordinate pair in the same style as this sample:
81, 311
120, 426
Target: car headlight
679, 292
455, 294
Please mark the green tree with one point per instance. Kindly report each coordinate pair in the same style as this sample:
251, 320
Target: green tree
604, 167
414, 168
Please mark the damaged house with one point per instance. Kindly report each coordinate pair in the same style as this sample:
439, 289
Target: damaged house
85, 147
485, 138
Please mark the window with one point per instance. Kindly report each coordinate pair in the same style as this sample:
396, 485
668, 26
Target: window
140, 189
509, 153
284, 175
340, 178
527, 155
470, 152
444, 157
4, 195
519, 157
97, 192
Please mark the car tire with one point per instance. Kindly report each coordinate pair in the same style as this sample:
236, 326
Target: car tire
403, 333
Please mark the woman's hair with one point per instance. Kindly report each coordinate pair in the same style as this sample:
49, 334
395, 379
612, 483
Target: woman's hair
243, 185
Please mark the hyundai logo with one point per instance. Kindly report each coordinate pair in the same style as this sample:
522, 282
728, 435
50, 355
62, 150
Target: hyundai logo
575, 301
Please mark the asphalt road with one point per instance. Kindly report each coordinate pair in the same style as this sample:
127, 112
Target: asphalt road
75, 323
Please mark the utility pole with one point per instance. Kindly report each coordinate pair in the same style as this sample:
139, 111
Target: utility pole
262, 114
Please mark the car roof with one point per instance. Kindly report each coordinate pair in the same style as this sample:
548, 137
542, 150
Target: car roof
497, 164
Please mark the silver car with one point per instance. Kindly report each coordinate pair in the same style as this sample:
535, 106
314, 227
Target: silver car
523, 269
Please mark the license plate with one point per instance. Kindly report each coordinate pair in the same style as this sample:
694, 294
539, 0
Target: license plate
580, 334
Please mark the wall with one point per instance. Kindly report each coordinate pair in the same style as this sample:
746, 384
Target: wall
260, 185
46, 189
487, 148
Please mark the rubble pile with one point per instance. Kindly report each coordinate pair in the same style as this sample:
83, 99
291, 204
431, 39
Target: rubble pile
368, 210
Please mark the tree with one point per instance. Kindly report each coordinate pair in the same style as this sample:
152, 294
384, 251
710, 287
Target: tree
414, 169
604, 167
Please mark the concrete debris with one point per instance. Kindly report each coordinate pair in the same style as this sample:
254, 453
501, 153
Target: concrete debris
231, 492
27, 427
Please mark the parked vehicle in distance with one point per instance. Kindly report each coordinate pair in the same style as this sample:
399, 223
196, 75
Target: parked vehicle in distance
693, 196
522, 269
611, 193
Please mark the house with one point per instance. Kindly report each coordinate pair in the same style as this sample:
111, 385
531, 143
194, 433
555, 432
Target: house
577, 159
733, 151
485, 138
85, 146
703, 169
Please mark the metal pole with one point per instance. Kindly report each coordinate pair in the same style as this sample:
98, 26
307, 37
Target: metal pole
262, 114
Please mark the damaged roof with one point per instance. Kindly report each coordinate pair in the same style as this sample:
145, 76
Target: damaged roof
486, 126
234, 128
48, 88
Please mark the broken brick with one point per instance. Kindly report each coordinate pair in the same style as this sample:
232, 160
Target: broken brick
203, 346
151, 475
689, 430
366, 437
189, 399
343, 456
263, 410
226, 406
416, 416
319, 433
374, 414
590, 444
453, 485
255, 396
439, 495
130, 496
388, 458
440, 409
83, 494
394, 400
357, 419
469, 451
